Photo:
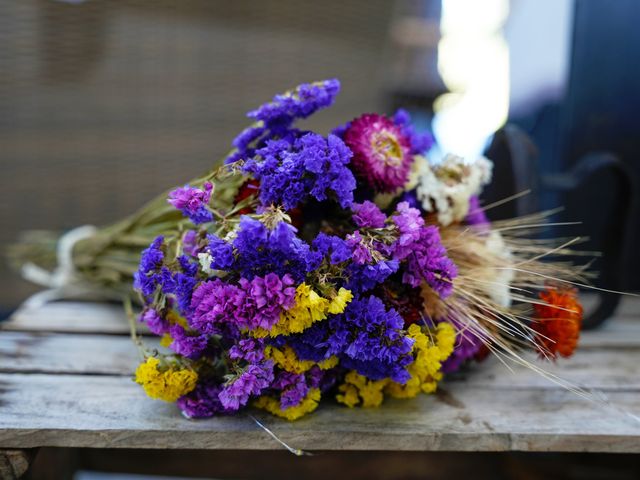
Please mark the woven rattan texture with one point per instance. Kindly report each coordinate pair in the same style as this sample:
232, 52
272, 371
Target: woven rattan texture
104, 104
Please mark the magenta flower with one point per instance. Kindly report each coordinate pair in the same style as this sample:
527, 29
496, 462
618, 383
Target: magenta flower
192, 202
381, 151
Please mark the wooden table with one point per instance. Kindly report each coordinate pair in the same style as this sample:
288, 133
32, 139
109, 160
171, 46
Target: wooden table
66, 381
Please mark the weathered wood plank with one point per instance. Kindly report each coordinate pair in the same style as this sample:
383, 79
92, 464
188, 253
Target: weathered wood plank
105, 411
71, 317
32, 352
68, 353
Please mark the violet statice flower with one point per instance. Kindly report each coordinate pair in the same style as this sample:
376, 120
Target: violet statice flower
261, 250
366, 338
411, 197
212, 305
192, 202
381, 152
156, 323
190, 243
250, 350
420, 142
148, 276
467, 345
301, 102
252, 381
409, 222
368, 215
181, 283
476, 216
203, 401
291, 169
292, 387
362, 278
361, 254
248, 136
321, 379
425, 257
274, 119
328, 246
340, 129
429, 262
190, 346
252, 304
221, 252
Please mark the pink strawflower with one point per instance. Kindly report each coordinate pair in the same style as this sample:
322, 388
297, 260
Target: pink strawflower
381, 151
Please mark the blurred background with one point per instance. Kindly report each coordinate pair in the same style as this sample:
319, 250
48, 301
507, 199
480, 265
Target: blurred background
104, 104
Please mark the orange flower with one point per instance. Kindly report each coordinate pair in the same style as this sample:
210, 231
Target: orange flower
558, 322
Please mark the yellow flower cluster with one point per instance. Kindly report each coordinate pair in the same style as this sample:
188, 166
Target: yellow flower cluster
358, 388
429, 355
307, 405
425, 371
167, 385
309, 307
286, 359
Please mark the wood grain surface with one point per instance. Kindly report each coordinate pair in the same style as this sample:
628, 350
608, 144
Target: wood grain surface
67, 383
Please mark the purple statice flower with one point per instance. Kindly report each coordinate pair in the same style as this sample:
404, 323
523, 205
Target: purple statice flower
365, 337
252, 381
251, 304
368, 215
250, 350
362, 278
322, 379
154, 321
331, 246
411, 197
203, 401
420, 142
248, 136
148, 276
221, 253
410, 223
360, 253
429, 262
190, 346
181, 282
468, 344
340, 129
301, 102
419, 246
261, 250
192, 202
212, 305
190, 244
476, 216
274, 119
293, 168
381, 152
292, 387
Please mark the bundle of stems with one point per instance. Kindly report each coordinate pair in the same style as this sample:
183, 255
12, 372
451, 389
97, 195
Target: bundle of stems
105, 261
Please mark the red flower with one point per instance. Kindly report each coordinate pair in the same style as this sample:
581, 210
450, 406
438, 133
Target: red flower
248, 188
558, 321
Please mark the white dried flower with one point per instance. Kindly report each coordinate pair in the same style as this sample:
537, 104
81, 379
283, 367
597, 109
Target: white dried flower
205, 260
447, 187
499, 289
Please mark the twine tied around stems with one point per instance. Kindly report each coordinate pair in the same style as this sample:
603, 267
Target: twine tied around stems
63, 281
